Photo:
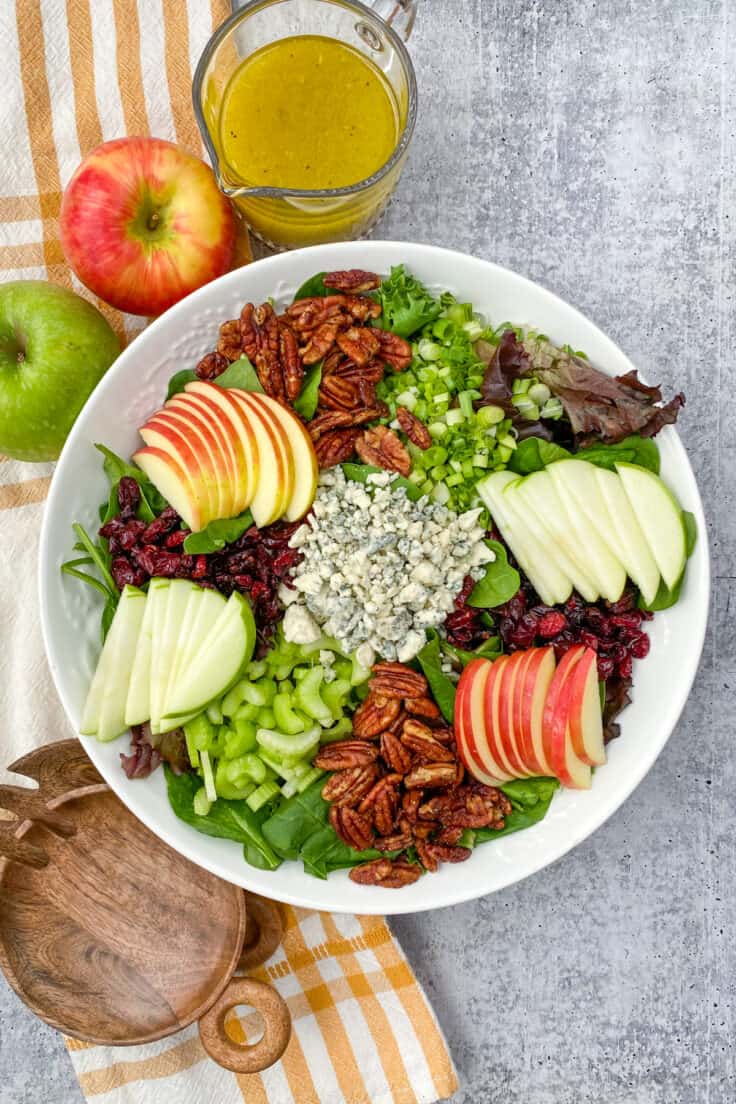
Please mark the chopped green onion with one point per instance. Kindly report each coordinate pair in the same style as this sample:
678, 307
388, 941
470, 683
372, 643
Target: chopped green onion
552, 408
539, 393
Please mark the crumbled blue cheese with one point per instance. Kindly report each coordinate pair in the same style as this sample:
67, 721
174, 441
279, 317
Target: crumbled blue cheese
299, 625
378, 569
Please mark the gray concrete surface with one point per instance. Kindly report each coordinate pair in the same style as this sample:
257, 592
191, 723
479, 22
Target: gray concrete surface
592, 147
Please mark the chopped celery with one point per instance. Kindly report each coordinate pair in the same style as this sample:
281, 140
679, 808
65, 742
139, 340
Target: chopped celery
246, 712
306, 780
256, 669
343, 728
233, 699
208, 777
262, 796
191, 749
266, 718
202, 803
281, 746
240, 739
214, 713
335, 696
285, 718
200, 732
307, 696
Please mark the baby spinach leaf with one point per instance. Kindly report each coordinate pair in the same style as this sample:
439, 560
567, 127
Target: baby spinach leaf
632, 450
530, 799
178, 382
226, 819
666, 596
293, 822
359, 474
240, 374
324, 851
534, 454
313, 286
500, 582
407, 304
442, 687
114, 467
306, 403
489, 649
218, 534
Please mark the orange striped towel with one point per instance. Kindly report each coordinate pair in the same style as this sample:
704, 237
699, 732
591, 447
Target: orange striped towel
78, 72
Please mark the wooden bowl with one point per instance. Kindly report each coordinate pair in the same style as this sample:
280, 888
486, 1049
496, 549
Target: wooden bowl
109, 935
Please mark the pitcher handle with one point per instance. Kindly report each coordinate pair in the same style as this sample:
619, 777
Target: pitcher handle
399, 14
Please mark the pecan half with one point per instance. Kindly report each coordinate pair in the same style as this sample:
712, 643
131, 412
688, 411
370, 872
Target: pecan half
425, 851
395, 680
382, 803
397, 842
292, 366
307, 314
338, 393
338, 419
359, 343
431, 776
422, 707
344, 754
448, 835
260, 331
380, 445
351, 279
450, 854
377, 713
333, 362
353, 829
415, 430
362, 308
394, 754
212, 366
386, 873
348, 787
394, 350
410, 803
320, 342
230, 344
336, 447
423, 829
420, 739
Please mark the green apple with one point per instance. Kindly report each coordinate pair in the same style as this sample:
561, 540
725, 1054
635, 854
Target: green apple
54, 348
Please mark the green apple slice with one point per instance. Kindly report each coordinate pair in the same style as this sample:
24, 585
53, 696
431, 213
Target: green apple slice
217, 662
167, 641
633, 548
158, 596
138, 702
203, 609
542, 503
660, 518
599, 559
550, 582
104, 712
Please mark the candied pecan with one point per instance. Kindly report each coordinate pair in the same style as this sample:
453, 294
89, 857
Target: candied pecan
333, 362
307, 314
443, 733
336, 447
351, 279
344, 754
320, 342
423, 829
397, 842
422, 707
387, 873
377, 713
431, 776
448, 835
348, 787
331, 419
450, 854
394, 350
396, 756
420, 739
396, 680
212, 366
410, 803
359, 343
367, 373
291, 366
361, 307
380, 445
247, 330
230, 344
425, 851
382, 803
336, 393
261, 336
352, 828
415, 430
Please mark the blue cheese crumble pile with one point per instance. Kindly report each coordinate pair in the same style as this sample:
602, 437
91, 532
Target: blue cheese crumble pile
378, 569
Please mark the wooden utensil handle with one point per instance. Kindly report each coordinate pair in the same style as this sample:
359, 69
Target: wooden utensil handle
243, 1058
264, 927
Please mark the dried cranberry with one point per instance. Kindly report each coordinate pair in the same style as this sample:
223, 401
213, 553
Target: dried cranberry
176, 539
124, 573
164, 523
550, 624
200, 568
157, 561
129, 496
589, 639
630, 620
639, 645
606, 666
625, 667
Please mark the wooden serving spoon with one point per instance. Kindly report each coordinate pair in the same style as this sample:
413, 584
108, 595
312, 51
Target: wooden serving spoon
112, 937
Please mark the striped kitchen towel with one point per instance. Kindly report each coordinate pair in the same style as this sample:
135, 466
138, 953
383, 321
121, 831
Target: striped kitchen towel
78, 72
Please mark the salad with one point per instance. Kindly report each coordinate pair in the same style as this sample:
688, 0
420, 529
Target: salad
374, 584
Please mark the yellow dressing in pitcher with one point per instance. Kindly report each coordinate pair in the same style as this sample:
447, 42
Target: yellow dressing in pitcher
307, 112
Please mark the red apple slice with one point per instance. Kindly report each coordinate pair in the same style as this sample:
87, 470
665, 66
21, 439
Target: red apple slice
558, 749
505, 734
274, 487
493, 721
171, 480
263, 405
306, 469
585, 720
200, 420
241, 434
532, 689
221, 439
470, 724
174, 435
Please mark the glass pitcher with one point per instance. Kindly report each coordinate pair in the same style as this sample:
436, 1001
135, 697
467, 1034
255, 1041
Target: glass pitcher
286, 218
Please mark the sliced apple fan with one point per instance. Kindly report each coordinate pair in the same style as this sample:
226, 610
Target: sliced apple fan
214, 452
168, 653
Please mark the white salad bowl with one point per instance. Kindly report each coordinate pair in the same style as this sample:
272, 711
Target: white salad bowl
136, 385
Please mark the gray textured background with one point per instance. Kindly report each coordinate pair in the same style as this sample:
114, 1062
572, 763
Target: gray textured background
590, 146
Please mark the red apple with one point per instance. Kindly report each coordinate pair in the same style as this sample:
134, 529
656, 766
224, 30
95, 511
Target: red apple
470, 723
504, 742
559, 752
143, 224
531, 697
585, 720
